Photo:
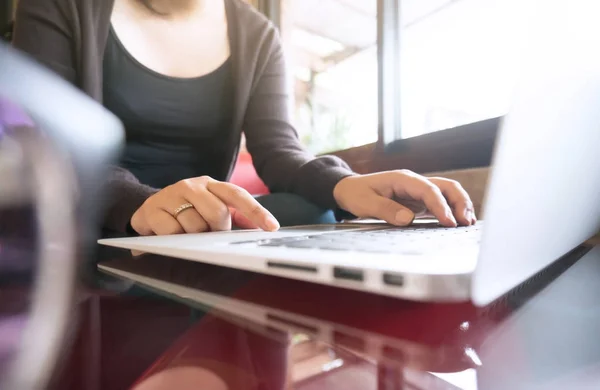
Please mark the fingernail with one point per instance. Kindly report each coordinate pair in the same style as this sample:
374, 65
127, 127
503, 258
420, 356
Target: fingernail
271, 223
404, 217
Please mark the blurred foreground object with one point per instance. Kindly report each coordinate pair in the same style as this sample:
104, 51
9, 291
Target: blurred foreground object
56, 145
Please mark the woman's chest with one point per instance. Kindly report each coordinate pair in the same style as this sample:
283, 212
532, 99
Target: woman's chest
153, 105
184, 48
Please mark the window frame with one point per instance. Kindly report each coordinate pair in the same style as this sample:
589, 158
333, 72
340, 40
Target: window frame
388, 64
462, 147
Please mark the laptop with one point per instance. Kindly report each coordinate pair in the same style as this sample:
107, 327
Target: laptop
542, 198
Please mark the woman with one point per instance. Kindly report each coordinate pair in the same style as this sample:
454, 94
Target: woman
186, 77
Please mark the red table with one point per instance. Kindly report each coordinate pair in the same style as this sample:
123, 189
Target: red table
228, 329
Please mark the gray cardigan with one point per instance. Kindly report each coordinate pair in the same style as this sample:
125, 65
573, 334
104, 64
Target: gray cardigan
69, 36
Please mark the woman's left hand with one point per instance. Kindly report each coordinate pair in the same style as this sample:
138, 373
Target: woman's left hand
385, 196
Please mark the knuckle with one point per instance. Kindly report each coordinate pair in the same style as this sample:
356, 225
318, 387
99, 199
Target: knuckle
238, 192
193, 182
185, 184
452, 183
205, 180
405, 172
466, 203
433, 192
148, 204
446, 183
455, 186
220, 214
432, 188
255, 210
149, 208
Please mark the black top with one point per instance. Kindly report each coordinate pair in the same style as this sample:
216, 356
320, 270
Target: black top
261, 103
176, 128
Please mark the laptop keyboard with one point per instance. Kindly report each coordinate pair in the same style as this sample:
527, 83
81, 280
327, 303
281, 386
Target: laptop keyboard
409, 240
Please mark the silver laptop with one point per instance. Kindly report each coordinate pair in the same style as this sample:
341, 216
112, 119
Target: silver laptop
543, 197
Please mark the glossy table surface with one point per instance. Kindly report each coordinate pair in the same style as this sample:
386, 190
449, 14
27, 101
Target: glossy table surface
218, 328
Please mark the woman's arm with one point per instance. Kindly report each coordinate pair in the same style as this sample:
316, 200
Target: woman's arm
45, 30
280, 160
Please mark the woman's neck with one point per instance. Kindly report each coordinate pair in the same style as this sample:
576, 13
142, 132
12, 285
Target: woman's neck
176, 8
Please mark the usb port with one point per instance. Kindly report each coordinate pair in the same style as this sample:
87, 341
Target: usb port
392, 279
353, 274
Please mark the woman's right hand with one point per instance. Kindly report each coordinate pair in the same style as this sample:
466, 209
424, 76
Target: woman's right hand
217, 205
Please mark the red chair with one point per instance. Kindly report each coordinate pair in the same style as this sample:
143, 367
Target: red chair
245, 176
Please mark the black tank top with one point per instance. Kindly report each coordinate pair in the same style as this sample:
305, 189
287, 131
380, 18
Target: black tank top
176, 128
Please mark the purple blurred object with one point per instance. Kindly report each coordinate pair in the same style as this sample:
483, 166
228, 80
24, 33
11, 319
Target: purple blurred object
11, 329
11, 116
17, 256
16, 236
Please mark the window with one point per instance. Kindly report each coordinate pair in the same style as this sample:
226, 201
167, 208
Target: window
459, 61
369, 71
331, 47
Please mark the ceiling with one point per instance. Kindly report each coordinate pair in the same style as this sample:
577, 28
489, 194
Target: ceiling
326, 32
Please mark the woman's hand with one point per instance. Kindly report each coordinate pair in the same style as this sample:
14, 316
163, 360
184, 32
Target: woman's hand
385, 196
216, 206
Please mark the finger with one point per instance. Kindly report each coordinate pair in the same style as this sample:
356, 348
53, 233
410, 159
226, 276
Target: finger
389, 210
239, 199
140, 224
458, 199
163, 223
211, 209
419, 188
192, 221
416, 206
189, 219
238, 219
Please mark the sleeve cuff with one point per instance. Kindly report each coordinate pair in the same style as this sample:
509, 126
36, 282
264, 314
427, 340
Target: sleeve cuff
127, 197
328, 180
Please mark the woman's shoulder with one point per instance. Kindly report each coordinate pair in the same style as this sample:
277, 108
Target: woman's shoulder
65, 4
250, 21
66, 11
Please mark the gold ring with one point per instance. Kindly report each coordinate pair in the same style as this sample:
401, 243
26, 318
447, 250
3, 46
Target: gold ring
182, 208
